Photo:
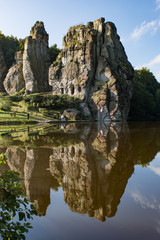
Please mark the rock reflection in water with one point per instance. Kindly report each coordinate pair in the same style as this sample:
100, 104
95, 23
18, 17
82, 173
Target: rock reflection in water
94, 173
92, 163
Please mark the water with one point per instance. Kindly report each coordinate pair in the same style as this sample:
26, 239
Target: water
90, 181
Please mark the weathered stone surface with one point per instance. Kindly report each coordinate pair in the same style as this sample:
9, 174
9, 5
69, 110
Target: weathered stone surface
92, 62
16, 159
36, 60
92, 173
14, 80
72, 114
2, 71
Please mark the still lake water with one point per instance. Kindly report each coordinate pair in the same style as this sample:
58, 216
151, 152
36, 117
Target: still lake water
90, 181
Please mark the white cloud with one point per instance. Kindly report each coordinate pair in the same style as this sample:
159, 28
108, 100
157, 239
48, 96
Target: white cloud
155, 170
155, 165
144, 202
154, 61
144, 28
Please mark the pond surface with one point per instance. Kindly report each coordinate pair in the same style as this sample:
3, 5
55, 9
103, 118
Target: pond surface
90, 181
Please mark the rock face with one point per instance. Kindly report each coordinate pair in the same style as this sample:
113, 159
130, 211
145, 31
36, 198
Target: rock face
93, 66
2, 71
14, 80
93, 175
36, 60
72, 114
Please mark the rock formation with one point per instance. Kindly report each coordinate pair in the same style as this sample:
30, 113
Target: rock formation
37, 179
93, 66
3, 69
14, 80
36, 60
32, 65
71, 114
93, 173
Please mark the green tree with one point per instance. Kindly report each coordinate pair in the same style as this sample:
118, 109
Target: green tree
8, 45
54, 51
145, 102
20, 44
13, 205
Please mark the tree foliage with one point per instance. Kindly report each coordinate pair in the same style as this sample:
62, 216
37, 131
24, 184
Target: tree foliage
12, 205
52, 101
54, 51
145, 103
9, 45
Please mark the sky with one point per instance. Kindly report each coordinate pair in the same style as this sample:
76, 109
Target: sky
137, 22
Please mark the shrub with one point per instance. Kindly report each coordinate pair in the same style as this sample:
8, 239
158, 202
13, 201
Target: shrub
16, 98
52, 101
5, 105
12, 205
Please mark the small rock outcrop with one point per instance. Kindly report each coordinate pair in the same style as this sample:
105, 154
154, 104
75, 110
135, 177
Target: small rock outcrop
14, 80
2, 71
36, 60
93, 66
71, 114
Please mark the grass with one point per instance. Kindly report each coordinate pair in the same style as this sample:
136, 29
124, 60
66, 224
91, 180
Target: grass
11, 117
41, 107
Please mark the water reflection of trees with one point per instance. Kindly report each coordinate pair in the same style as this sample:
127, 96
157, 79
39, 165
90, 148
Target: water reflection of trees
92, 163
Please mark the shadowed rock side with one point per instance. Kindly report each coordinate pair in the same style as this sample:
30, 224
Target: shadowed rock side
3, 70
36, 60
93, 66
93, 170
14, 80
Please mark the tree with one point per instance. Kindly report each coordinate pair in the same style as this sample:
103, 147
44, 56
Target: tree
12, 204
9, 45
145, 103
20, 44
54, 51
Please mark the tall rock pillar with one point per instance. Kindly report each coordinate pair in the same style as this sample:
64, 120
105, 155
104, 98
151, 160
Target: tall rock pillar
36, 60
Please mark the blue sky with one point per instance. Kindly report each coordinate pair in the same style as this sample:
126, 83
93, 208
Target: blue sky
137, 22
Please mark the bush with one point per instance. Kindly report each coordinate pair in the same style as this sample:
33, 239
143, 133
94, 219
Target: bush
52, 101
24, 105
43, 111
145, 102
12, 205
5, 105
16, 98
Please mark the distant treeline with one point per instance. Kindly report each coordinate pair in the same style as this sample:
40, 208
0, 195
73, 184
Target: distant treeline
9, 45
145, 104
